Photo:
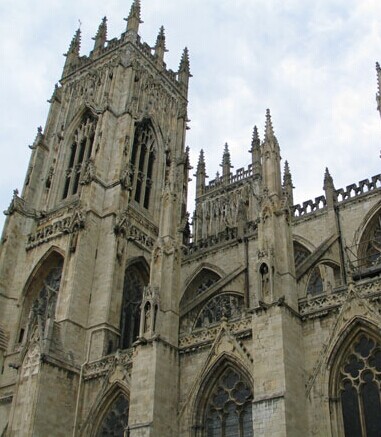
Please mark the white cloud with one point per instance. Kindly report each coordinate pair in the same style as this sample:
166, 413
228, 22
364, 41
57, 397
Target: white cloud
312, 63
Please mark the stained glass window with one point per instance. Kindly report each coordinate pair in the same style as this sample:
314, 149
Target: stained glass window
134, 281
223, 305
115, 422
360, 393
229, 408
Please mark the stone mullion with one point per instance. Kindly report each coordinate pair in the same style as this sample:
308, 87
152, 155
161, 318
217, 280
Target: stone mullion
145, 175
136, 171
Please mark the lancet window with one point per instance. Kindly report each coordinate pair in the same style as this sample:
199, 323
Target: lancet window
80, 153
228, 410
135, 280
359, 388
115, 422
142, 162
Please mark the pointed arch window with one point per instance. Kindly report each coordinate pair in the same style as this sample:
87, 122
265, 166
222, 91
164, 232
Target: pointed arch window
359, 388
315, 282
228, 411
135, 279
115, 422
142, 162
80, 153
41, 295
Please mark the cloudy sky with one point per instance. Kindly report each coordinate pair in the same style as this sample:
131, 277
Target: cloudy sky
311, 62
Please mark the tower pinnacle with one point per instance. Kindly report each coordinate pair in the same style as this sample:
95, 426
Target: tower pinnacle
101, 36
72, 55
287, 184
184, 69
256, 153
133, 19
226, 163
271, 159
200, 175
160, 45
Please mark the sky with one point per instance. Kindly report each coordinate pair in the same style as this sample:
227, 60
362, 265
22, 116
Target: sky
311, 62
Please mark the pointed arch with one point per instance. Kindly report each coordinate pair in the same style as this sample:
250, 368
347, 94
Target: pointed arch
109, 413
201, 279
143, 168
136, 277
80, 138
369, 243
223, 404
354, 380
41, 289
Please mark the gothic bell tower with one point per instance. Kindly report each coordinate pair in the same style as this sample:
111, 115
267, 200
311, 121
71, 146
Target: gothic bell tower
98, 225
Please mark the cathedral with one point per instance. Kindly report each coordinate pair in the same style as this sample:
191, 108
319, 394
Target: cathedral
122, 315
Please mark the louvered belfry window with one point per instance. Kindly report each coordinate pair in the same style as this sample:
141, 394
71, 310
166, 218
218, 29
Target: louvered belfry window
80, 153
142, 162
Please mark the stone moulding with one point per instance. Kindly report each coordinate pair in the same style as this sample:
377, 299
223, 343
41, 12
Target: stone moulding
101, 367
322, 305
198, 339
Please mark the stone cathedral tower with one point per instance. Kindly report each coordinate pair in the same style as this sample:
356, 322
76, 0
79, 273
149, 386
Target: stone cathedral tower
117, 320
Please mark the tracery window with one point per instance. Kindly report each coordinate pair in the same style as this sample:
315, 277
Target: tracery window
315, 282
223, 305
373, 250
80, 153
116, 421
229, 407
360, 388
135, 280
142, 162
41, 296
300, 253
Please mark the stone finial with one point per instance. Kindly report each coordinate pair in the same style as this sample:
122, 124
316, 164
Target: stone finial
101, 36
160, 45
329, 188
184, 68
226, 162
256, 153
133, 19
287, 184
75, 44
200, 175
269, 130
201, 162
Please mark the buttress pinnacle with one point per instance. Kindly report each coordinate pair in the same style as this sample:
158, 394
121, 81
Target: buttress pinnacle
133, 19
160, 44
269, 130
184, 62
101, 36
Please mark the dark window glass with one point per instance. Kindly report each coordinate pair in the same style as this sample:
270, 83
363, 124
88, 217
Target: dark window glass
116, 421
360, 389
134, 281
229, 409
142, 161
81, 147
